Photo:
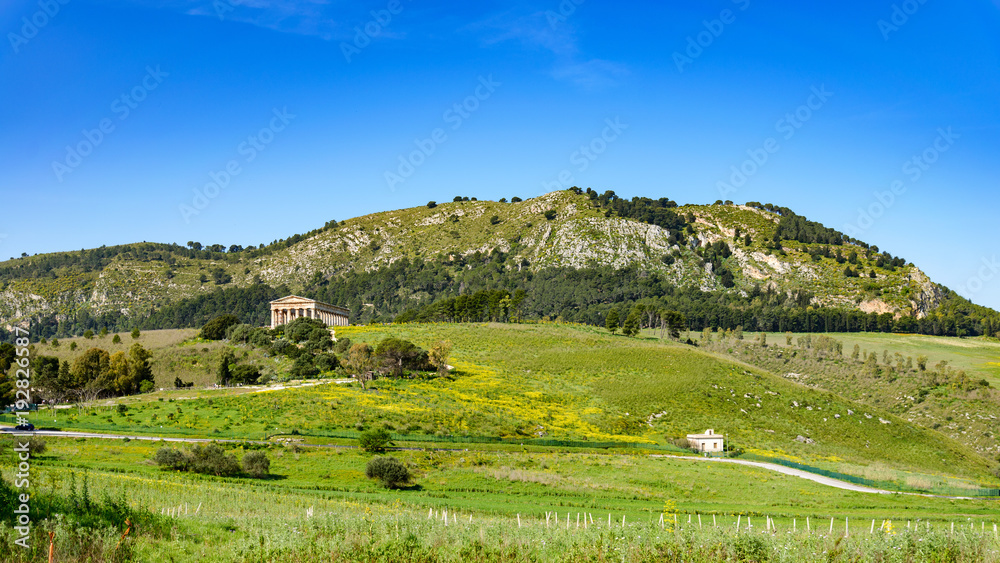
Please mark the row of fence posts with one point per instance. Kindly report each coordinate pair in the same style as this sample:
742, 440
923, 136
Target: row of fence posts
179, 510
552, 521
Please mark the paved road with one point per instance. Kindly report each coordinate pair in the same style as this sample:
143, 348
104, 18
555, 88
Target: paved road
828, 481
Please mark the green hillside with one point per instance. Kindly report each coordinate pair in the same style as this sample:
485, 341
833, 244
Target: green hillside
576, 254
562, 382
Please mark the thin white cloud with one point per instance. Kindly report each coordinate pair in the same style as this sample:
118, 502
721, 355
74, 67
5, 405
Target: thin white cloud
317, 18
558, 36
595, 73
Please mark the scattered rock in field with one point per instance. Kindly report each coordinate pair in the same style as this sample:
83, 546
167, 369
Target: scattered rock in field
836, 416
884, 421
804, 440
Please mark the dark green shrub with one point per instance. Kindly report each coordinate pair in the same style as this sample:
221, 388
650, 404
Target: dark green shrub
170, 458
327, 362
301, 329
343, 345
391, 472
211, 459
245, 374
216, 328
304, 366
375, 441
256, 464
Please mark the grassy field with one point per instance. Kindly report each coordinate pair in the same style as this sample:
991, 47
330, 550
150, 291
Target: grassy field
564, 382
318, 502
521, 382
954, 395
980, 357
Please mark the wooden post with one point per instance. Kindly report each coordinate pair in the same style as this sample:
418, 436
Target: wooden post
952, 527
623, 520
713, 522
847, 527
995, 532
699, 521
872, 531
547, 516
577, 519
794, 528
519, 520
808, 528
738, 518
567, 520
831, 526
52, 546
609, 520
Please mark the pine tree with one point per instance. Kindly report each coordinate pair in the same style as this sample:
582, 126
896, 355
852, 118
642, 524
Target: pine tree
611, 323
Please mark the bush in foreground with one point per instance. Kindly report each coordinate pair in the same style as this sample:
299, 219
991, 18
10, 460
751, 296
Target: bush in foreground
391, 472
375, 441
256, 464
211, 459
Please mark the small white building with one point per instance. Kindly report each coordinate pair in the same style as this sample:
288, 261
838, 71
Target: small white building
708, 442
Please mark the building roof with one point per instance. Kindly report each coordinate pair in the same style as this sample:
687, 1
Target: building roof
709, 435
297, 299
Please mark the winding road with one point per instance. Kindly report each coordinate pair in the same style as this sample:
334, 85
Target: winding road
822, 480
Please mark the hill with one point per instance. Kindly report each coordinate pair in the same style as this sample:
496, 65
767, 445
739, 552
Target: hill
575, 254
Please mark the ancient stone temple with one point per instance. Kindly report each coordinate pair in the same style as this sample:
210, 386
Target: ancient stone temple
287, 309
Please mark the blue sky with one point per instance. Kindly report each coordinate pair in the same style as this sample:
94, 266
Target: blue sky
312, 114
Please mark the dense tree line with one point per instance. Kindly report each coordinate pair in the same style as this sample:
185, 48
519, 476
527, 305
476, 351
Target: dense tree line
94, 374
431, 290
658, 212
497, 305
